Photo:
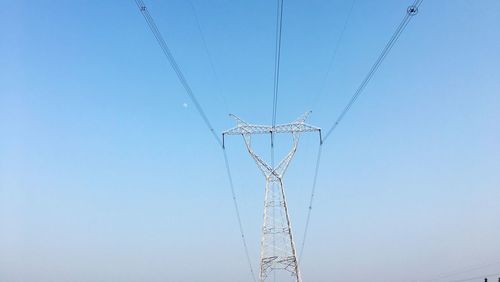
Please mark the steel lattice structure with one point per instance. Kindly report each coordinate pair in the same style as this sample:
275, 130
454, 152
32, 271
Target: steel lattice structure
278, 255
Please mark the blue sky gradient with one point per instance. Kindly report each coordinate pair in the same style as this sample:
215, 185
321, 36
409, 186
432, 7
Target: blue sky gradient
105, 174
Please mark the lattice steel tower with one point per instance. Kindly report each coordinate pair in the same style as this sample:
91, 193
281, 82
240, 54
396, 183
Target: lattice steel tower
278, 255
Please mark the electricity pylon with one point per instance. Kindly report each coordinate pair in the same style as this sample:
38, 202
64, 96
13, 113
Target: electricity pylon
278, 255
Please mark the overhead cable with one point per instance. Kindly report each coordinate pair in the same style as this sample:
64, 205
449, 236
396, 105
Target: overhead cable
476, 278
464, 270
182, 79
163, 45
210, 58
237, 209
334, 55
411, 11
311, 199
318, 158
277, 55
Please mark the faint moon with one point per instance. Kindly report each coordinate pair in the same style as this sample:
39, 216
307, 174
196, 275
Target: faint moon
185, 105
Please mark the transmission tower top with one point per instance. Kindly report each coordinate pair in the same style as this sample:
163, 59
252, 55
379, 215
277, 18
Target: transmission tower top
296, 127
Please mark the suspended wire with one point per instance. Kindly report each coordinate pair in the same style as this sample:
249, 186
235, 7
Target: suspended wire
175, 67
412, 10
318, 158
210, 58
384, 53
466, 270
277, 55
237, 209
476, 277
334, 55
311, 199
201, 112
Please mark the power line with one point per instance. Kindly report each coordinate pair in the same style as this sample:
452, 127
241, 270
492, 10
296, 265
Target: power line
311, 198
334, 55
318, 158
476, 277
201, 112
237, 209
277, 55
411, 11
466, 270
210, 58
163, 45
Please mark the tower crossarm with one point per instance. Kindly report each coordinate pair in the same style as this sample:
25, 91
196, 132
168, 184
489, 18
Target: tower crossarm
294, 127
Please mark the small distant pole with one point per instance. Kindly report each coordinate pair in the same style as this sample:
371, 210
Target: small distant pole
485, 279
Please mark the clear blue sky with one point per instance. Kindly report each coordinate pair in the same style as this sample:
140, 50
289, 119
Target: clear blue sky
105, 175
